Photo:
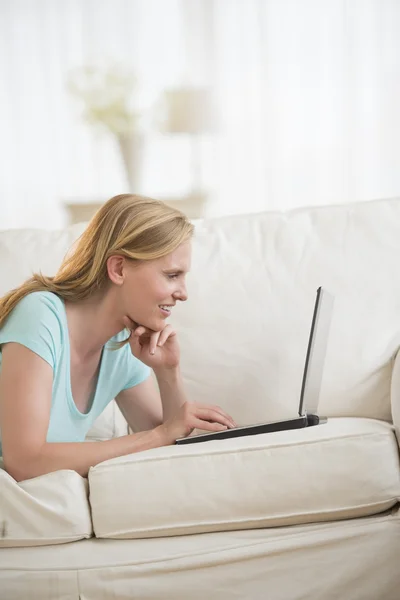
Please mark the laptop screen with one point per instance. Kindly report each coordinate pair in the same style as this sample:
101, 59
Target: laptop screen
316, 352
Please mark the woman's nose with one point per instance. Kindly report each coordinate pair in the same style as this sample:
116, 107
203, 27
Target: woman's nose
181, 294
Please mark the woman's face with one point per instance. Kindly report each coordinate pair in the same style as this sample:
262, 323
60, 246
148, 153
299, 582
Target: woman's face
151, 288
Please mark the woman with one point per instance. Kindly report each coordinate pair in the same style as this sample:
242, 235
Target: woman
73, 342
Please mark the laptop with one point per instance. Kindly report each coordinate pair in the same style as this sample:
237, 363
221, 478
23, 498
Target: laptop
311, 382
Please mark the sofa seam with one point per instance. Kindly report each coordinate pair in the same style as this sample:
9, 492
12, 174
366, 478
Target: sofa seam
393, 500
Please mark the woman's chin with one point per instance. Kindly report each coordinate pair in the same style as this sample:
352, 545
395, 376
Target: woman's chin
158, 325
155, 324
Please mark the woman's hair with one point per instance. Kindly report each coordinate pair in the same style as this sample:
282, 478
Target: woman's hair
127, 225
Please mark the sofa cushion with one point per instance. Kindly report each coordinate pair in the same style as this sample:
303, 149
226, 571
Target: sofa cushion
348, 467
110, 424
50, 509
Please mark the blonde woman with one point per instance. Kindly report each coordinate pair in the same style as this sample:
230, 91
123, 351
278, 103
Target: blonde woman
71, 343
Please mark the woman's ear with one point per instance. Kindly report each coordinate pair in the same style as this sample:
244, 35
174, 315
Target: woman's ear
115, 269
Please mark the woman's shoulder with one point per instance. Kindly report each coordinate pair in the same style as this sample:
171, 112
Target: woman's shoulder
37, 310
40, 303
36, 322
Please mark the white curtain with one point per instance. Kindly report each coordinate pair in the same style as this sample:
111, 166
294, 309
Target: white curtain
311, 97
48, 154
308, 94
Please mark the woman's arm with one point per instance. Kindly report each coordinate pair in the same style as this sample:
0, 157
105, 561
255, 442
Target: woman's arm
25, 401
141, 405
171, 390
144, 406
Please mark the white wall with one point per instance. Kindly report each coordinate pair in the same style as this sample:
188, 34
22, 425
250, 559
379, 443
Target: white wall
309, 96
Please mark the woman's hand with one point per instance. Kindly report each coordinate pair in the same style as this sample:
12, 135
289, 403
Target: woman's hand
156, 349
191, 415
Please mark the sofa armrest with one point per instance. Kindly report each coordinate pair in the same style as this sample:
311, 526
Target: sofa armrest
395, 395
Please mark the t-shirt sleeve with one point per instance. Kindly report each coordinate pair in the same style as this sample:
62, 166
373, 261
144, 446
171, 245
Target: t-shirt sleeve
136, 371
34, 323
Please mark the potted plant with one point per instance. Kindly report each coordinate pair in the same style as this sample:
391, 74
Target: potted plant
109, 99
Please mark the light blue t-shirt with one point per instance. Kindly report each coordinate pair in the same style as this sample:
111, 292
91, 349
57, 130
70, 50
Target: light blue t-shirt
39, 322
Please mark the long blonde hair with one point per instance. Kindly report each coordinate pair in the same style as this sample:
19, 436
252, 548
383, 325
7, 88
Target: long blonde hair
136, 227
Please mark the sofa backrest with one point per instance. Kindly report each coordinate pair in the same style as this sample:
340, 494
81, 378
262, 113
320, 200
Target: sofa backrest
244, 330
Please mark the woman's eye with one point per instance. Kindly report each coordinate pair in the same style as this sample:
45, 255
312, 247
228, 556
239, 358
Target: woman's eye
172, 276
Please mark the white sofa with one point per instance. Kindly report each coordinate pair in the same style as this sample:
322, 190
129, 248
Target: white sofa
307, 514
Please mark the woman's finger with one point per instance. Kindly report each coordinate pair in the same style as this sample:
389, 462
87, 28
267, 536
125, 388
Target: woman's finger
206, 425
153, 341
165, 334
220, 411
208, 414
